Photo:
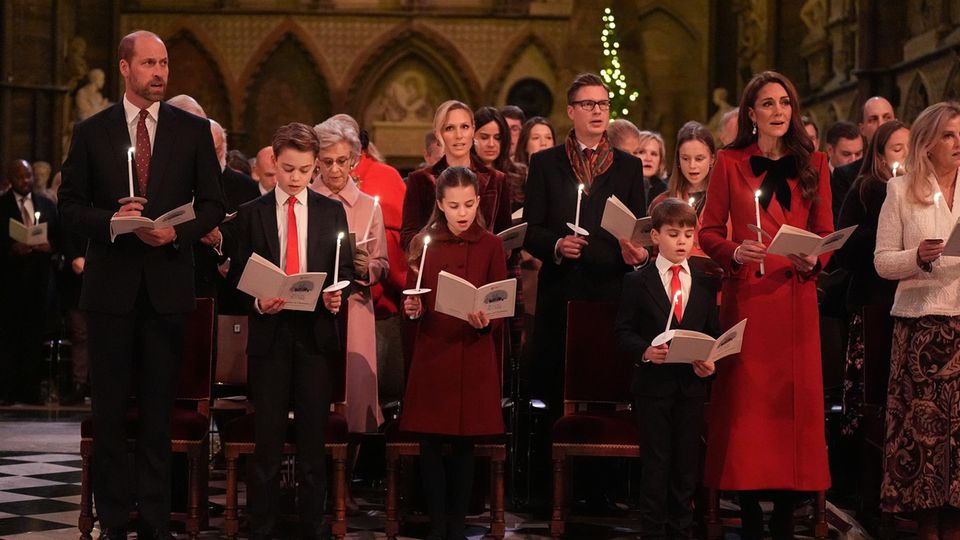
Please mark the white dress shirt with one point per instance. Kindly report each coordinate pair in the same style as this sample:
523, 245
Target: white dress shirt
132, 113
300, 210
664, 267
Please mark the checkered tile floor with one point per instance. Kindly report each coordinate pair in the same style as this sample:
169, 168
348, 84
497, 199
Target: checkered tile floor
39, 493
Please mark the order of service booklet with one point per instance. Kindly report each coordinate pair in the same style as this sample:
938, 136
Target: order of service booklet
619, 221
952, 247
128, 224
792, 240
33, 235
513, 237
688, 346
263, 279
457, 297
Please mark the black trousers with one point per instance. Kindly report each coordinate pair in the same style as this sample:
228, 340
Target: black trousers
295, 369
136, 353
781, 522
670, 456
448, 495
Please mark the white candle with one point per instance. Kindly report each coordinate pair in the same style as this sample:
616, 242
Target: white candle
756, 202
36, 218
894, 167
673, 305
576, 220
130, 169
366, 232
423, 257
690, 201
336, 260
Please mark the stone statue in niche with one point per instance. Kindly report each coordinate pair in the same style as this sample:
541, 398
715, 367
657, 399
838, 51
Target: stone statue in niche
814, 16
76, 61
720, 96
405, 99
89, 99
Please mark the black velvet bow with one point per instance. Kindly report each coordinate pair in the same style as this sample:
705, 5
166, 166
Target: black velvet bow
776, 179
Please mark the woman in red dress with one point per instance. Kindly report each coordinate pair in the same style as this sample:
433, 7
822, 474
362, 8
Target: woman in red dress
766, 429
453, 389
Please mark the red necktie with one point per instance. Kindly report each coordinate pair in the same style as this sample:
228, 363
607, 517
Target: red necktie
292, 264
143, 153
588, 153
676, 292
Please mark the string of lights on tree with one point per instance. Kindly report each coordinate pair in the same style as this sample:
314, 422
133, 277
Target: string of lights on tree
612, 71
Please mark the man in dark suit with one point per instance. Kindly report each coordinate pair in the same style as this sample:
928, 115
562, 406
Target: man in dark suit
669, 397
138, 288
296, 229
577, 267
25, 286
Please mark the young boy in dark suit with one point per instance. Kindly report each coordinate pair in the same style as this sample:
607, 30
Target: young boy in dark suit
669, 397
289, 351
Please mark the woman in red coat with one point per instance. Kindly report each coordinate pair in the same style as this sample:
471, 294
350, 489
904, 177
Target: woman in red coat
766, 428
453, 389
454, 126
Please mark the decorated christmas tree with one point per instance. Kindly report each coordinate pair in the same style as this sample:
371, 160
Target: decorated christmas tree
622, 98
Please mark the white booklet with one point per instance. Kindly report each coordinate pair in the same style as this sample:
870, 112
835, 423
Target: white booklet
688, 346
32, 235
127, 224
513, 237
457, 297
791, 240
263, 279
619, 221
517, 216
950, 249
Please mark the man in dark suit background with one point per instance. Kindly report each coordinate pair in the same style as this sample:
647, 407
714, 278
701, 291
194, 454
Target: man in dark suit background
25, 287
138, 288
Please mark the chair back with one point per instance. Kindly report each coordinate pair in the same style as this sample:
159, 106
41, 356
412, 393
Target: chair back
231, 367
595, 370
193, 380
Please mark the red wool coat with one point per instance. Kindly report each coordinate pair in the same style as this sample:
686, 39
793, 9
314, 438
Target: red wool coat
453, 387
383, 180
766, 424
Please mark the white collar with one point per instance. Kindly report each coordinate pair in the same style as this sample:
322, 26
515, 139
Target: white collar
664, 265
282, 196
583, 146
132, 111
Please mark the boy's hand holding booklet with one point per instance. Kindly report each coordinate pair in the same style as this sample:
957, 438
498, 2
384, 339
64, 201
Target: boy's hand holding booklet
687, 346
457, 297
32, 235
794, 241
263, 279
127, 224
619, 221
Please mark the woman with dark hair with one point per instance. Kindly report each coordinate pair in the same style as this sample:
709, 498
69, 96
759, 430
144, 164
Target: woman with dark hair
490, 146
766, 430
453, 390
537, 134
454, 125
885, 158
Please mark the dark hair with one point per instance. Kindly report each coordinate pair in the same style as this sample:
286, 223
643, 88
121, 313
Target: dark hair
691, 131
297, 136
584, 79
513, 112
807, 121
521, 155
482, 117
450, 177
430, 138
238, 162
842, 130
673, 211
795, 140
128, 43
873, 169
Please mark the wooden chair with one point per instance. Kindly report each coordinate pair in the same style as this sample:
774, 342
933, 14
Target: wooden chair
189, 426
595, 372
238, 440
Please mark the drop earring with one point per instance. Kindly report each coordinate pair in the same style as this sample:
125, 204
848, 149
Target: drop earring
754, 128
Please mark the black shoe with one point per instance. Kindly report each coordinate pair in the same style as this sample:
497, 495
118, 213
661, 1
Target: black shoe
113, 533
154, 534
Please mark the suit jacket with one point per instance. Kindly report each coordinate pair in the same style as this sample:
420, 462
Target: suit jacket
255, 231
183, 167
26, 279
644, 308
238, 189
551, 201
841, 179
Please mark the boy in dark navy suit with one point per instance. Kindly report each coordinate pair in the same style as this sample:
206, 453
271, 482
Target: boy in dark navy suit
669, 397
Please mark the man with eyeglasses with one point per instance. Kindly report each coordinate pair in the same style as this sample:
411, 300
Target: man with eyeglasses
577, 267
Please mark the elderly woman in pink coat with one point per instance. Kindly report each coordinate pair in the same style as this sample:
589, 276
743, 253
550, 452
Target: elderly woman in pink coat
339, 152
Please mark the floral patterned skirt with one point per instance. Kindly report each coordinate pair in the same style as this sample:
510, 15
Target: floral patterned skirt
853, 378
922, 448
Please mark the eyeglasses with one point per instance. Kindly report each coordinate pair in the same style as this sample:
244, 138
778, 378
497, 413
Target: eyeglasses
589, 104
329, 163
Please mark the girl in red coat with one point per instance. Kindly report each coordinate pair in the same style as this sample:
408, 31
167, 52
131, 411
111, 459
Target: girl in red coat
453, 389
766, 429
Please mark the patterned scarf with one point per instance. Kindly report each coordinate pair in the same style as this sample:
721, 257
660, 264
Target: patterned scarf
588, 168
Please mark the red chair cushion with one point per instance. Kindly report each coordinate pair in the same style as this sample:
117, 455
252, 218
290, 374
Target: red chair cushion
241, 430
614, 427
185, 425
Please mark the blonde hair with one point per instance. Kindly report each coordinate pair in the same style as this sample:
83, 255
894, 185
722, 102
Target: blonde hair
924, 135
620, 129
441, 116
647, 136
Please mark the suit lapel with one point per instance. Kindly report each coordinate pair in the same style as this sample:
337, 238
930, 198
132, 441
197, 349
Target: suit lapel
691, 314
119, 137
773, 211
163, 145
268, 219
313, 230
654, 287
